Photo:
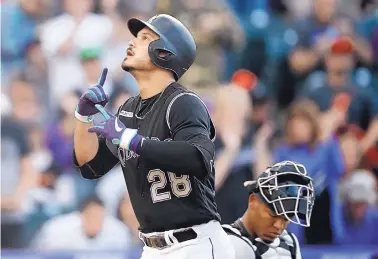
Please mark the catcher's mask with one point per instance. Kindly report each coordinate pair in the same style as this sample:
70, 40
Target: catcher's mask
287, 190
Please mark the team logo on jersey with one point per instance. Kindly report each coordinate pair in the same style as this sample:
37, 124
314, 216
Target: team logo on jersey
124, 154
126, 114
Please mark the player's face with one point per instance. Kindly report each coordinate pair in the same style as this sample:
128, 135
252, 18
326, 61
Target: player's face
137, 57
268, 225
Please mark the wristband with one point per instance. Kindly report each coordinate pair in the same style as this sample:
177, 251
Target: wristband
130, 139
82, 118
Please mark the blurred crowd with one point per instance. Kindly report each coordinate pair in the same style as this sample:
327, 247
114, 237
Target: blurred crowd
283, 79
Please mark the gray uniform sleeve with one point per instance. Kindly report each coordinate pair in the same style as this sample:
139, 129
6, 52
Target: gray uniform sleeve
242, 249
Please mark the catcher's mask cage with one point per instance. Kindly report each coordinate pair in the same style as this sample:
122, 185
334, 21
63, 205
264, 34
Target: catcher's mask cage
287, 190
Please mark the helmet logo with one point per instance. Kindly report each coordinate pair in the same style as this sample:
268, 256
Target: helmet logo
152, 19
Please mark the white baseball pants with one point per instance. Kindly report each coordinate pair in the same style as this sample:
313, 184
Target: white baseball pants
211, 243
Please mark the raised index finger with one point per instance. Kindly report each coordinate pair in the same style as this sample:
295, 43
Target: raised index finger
102, 78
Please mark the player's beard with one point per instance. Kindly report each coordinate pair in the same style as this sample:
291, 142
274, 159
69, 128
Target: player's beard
125, 67
144, 67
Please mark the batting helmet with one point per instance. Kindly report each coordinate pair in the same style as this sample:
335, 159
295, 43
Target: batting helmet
287, 190
175, 40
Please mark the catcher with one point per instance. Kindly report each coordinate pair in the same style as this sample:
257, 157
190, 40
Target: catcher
282, 194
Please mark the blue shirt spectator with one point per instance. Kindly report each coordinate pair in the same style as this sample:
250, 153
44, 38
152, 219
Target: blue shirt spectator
19, 22
324, 163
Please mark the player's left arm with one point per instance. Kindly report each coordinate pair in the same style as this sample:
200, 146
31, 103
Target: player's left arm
191, 150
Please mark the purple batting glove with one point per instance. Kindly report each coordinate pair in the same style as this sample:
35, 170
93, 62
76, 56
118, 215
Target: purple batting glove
115, 131
93, 95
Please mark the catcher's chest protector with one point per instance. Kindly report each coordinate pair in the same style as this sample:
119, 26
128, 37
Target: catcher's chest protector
284, 247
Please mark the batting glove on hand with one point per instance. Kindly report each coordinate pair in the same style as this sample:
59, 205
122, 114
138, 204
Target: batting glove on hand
115, 131
94, 95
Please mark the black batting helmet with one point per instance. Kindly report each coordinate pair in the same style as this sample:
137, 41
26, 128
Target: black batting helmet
287, 190
175, 40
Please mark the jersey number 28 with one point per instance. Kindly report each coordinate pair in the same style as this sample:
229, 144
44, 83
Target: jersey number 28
180, 185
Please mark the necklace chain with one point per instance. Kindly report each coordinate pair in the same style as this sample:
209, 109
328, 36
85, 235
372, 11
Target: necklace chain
152, 107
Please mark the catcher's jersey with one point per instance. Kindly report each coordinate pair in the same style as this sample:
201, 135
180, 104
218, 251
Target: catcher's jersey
284, 247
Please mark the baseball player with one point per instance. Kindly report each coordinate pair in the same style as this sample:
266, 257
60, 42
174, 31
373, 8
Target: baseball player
282, 194
163, 140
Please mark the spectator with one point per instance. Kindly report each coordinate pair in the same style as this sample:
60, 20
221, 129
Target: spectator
232, 109
304, 143
91, 63
36, 73
231, 113
127, 216
59, 140
345, 27
40, 155
26, 108
110, 189
49, 199
119, 12
17, 178
36, 70
59, 134
339, 96
360, 214
352, 154
90, 228
261, 108
374, 43
14, 42
218, 37
298, 9
53, 194
62, 38
315, 38
317, 32
245, 113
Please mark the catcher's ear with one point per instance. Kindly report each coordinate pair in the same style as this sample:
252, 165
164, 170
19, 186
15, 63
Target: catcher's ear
252, 201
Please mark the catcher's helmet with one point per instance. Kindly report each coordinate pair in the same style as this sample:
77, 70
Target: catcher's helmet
175, 40
287, 190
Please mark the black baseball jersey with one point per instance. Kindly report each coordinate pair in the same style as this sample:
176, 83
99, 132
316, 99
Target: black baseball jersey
164, 200
285, 246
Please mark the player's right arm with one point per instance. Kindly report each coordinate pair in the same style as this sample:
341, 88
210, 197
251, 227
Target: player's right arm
91, 152
85, 144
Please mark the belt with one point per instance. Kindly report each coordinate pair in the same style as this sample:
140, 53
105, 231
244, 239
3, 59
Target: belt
160, 243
